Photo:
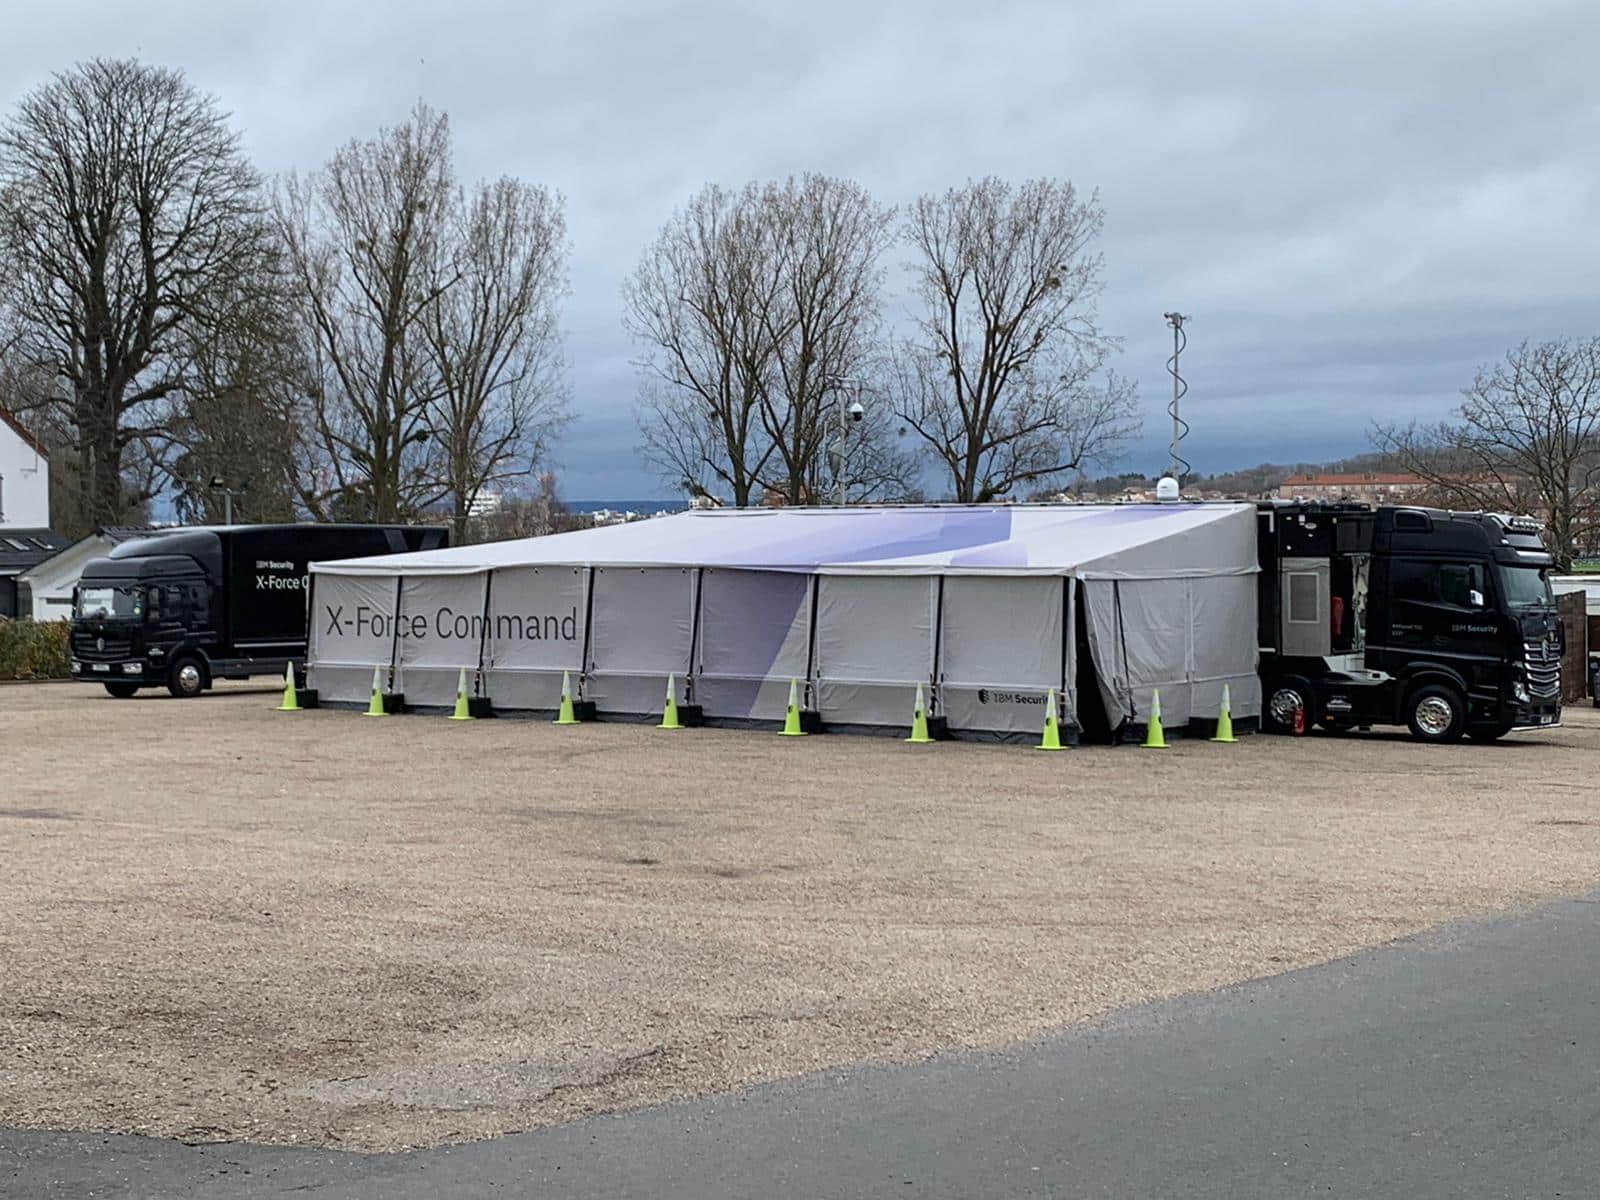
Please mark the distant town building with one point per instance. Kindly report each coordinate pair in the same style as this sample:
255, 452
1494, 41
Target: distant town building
1367, 488
24, 477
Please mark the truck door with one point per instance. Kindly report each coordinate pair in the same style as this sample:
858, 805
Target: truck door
1442, 610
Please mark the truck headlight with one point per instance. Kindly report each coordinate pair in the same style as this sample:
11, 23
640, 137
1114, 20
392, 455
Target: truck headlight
1519, 691
130, 668
76, 666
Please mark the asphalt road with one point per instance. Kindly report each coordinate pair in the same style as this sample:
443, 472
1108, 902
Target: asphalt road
1465, 1062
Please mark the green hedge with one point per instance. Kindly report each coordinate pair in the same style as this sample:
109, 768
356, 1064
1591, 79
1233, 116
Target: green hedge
34, 650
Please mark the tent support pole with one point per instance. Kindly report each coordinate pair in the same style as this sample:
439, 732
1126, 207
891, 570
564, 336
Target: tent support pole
811, 645
938, 638
311, 621
698, 583
394, 643
588, 630
1122, 638
1069, 633
483, 634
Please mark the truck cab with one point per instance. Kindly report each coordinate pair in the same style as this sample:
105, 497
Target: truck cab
143, 616
1440, 621
183, 608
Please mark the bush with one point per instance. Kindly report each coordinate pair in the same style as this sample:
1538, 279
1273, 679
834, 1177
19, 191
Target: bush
34, 650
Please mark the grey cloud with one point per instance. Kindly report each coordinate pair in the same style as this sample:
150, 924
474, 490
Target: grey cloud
1358, 203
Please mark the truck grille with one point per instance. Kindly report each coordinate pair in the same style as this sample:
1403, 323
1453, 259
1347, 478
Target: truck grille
1543, 662
83, 646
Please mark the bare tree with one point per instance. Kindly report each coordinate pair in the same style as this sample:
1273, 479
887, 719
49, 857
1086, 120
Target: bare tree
495, 338
363, 242
237, 417
999, 380
828, 236
124, 203
699, 302
1527, 437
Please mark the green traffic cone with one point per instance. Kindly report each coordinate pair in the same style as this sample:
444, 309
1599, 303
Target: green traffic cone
291, 697
375, 706
669, 715
791, 719
565, 716
1154, 739
1224, 720
463, 709
1052, 732
919, 720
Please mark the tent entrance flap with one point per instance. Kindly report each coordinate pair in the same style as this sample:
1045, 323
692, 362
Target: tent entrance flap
643, 632
754, 637
1002, 648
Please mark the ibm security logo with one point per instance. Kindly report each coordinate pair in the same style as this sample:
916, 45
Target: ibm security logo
991, 696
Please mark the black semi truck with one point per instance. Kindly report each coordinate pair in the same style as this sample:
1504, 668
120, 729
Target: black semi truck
1440, 621
183, 608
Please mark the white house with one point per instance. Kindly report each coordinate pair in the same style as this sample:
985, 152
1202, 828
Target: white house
45, 590
24, 478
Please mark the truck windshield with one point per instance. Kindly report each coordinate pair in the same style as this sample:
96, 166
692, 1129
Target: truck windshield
1526, 587
110, 603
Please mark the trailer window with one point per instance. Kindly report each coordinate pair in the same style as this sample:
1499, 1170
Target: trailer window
1303, 598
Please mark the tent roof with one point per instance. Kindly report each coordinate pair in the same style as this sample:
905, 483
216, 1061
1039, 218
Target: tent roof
923, 540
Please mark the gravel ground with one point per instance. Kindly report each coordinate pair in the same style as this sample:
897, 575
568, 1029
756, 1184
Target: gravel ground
222, 922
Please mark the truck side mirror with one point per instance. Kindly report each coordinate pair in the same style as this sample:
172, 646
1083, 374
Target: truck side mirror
1475, 597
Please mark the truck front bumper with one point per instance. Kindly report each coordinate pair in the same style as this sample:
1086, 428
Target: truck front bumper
1537, 716
126, 671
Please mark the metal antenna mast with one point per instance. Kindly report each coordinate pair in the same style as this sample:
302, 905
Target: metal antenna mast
1180, 427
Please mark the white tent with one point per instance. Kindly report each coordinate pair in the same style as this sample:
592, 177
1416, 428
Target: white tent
989, 607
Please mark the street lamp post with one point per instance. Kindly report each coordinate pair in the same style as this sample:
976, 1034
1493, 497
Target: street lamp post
851, 414
219, 484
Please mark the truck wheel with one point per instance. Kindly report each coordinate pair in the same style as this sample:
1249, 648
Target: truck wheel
1285, 697
188, 678
1436, 713
122, 690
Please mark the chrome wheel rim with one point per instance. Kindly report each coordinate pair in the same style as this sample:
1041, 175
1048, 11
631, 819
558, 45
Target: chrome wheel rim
189, 677
1285, 703
1435, 715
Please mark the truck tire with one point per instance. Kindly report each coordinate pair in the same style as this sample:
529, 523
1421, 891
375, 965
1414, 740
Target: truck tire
1436, 712
188, 677
1283, 697
122, 690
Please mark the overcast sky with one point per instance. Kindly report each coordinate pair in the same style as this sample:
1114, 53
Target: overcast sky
1356, 203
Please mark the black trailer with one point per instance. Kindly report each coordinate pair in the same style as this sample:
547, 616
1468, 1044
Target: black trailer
183, 608
1440, 621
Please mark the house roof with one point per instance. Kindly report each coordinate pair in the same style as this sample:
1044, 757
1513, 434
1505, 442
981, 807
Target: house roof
28, 439
115, 535
24, 548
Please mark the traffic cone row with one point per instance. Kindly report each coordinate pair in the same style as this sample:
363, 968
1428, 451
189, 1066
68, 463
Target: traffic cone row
1050, 739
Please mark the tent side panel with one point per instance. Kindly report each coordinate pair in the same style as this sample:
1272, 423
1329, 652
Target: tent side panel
441, 631
1000, 651
1186, 637
643, 629
535, 632
755, 630
1225, 650
874, 645
352, 631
